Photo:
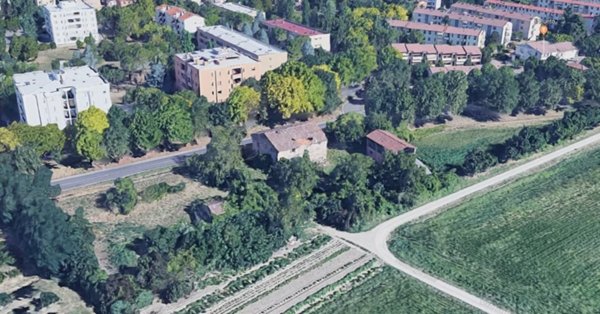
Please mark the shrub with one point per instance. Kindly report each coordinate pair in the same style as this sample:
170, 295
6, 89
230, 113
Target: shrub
45, 299
481, 114
156, 192
122, 197
177, 290
5, 299
144, 299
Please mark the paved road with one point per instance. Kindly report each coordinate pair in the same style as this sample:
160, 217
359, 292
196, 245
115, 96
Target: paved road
375, 240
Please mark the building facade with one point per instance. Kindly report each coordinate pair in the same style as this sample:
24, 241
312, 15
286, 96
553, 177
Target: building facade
269, 57
542, 50
442, 34
70, 21
213, 72
178, 19
446, 54
501, 27
292, 141
318, 40
546, 14
380, 141
526, 25
578, 6
57, 97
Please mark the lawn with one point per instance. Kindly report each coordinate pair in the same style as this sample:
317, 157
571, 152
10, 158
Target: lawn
392, 292
443, 148
531, 246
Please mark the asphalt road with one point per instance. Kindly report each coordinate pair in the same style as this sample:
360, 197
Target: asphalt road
376, 239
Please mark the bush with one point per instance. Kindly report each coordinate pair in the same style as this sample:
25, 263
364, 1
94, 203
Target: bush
45, 299
177, 290
156, 192
144, 299
123, 197
5, 299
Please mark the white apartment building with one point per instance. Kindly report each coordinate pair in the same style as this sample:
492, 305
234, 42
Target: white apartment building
547, 14
501, 27
178, 19
237, 8
69, 21
528, 26
578, 6
434, 4
542, 50
443, 34
317, 39
57, 97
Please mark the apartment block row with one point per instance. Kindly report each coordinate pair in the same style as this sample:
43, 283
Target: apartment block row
578, 6
442, 34
446, 54
237, 8
178, 19
527, 26
58, 97
502, 27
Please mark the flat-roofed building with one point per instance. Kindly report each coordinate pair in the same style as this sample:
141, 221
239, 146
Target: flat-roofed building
237, 8
117, 3
214, 72
502, 27
443, 34
526, 25
318, 40
447, 54
542, 50
70, 21
178, 19
268, 56
57, 97
292, 141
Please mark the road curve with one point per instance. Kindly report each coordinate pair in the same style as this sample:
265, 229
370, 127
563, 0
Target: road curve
376, 239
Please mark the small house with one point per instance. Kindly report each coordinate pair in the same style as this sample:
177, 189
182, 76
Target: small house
380, 141
292, 141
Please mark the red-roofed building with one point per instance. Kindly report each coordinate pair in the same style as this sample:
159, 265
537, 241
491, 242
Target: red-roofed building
380, 141
317, 39
178, 19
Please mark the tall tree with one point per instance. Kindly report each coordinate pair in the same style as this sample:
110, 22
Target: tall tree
145, 130
117, 136
241, 102
455, 86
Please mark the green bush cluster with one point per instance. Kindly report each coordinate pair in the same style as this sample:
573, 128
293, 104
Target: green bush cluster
157, 191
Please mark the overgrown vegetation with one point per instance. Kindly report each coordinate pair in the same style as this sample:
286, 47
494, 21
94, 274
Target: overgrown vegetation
523, 246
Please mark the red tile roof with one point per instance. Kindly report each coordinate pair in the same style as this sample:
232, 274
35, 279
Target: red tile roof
294, 28
472, 50
458, 6
294, 136
389, 141
448, 49
435, 28
437, 49
524, 6
461, 17
577, 66
175, 12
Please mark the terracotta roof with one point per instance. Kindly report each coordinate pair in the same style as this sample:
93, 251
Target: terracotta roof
389, 141
524, 6
294, 136
434, 28
461, 17
294, 28
490, 11
577, 66
449, 49
472, 50
176, 12
462, 68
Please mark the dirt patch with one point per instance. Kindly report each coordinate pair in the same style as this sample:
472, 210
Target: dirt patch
506, 121
44, 59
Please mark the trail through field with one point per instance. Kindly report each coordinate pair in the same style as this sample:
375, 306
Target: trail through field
376, 239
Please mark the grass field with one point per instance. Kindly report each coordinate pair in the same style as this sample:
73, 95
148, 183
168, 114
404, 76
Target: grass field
390, 292
531, 246
450, 147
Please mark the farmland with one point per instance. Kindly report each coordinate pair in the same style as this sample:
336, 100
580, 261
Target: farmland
390, 291
450, 147
530, 246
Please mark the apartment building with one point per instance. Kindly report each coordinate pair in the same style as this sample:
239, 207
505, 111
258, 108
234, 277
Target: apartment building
268, 56
317, 39
490, 25
578, 6
546, 14
237, 8
70, 21
527, 26
118, 3
178, 19
214, 72
542, 50
57, 97
442, 34
434, 4
447, 54
41, 3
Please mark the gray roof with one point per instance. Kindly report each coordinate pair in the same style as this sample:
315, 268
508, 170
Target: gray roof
294, 136
39, 81
240, 40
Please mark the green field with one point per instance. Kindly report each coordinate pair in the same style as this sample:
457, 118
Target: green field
390, 292
532, 246
450, 147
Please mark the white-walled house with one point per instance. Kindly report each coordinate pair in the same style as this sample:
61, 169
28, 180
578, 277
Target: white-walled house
542, 50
